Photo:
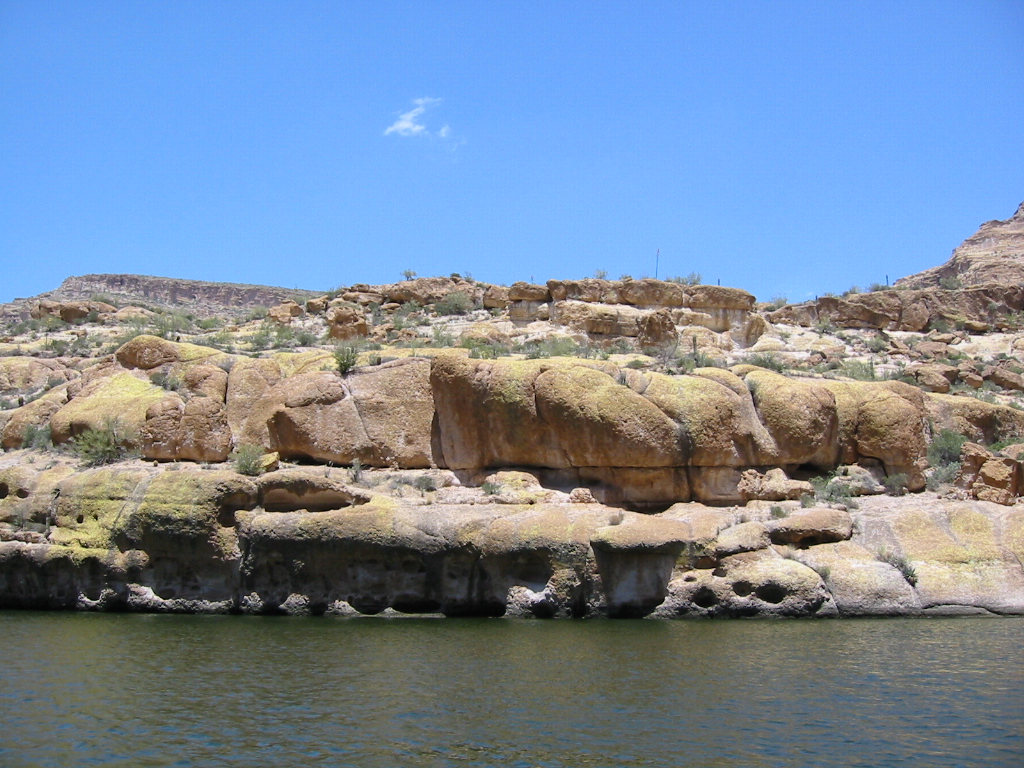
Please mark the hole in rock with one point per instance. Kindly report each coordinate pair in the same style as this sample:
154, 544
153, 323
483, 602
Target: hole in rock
413, 604
21, 493
80, 519
770, 593
369, 604
704, 597
742, 588
4, 490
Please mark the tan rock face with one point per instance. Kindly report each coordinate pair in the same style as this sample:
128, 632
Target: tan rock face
980, 421
521, 291
606, 425
908, 310
71, 311
817, 525
993, 254
284, 312
120, 399
25, 374
430, 290
773, 485
36, 414
148, 352
193, 430
598, 319
345, 322
379, 415
657, 329
988, 477
886, 421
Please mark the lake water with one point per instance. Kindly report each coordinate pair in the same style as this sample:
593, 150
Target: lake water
138, 690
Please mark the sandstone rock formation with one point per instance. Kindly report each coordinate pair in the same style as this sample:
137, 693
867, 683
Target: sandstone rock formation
293, 541
993, 254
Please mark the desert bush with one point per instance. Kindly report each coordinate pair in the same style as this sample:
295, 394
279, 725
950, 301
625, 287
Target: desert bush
455, 303
832, 490
825, 326
950, 283
900, 563
945, 447
944, 474
345, 358
425, 483
355, 472
896, 485
693, 278
37, 437
768, 360
102, 445
777, 302
248, 459
859, 370
878, 344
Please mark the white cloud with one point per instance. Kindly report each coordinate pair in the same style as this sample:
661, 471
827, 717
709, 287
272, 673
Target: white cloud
407, 125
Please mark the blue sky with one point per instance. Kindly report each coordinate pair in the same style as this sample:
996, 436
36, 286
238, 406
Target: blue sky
785, 148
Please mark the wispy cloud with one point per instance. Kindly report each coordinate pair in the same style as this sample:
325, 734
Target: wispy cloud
408, 123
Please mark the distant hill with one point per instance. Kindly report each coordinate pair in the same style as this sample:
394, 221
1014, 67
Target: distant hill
993, 254
201, 298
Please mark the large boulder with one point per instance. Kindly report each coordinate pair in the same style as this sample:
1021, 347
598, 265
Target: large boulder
346, 322
979, 421
886, 421
122, 400
27, 374
379, 415
194, 430
146, 352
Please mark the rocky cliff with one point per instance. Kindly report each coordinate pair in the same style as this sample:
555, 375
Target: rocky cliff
204, 299
576, 448
992, 255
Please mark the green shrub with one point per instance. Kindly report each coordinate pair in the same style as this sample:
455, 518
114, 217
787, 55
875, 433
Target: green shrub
779, 512
425, 483
345, 358
943, 474
833, 490
859, 370
104, 445
768, 360
455, 303
37, 437
900, 563
950, 283
557, 346
777, 302
878, 344
945, 447
693, 278
825, 326
248, 459
491, 489
260, 340
896, 485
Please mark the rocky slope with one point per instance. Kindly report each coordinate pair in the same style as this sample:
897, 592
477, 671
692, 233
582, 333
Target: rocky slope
204, 299
992, 255
578, 448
